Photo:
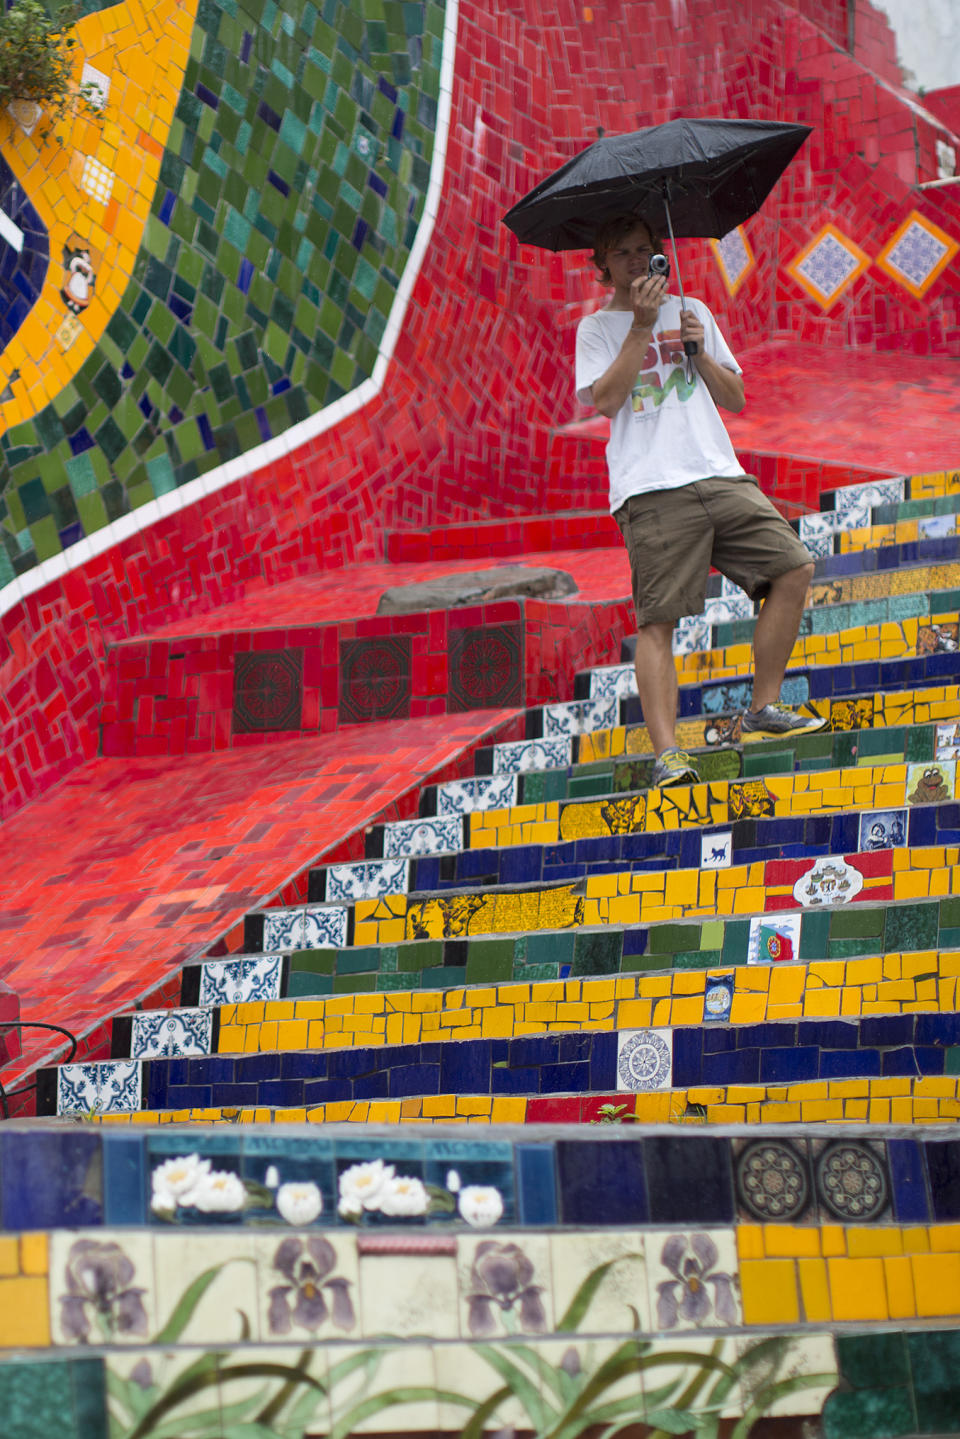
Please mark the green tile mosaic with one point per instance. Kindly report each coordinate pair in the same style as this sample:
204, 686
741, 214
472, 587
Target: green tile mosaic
289, 196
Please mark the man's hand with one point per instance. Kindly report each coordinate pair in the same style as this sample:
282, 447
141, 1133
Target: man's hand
691, 328
647, 293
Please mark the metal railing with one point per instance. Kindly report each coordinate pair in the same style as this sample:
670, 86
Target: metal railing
8, 1094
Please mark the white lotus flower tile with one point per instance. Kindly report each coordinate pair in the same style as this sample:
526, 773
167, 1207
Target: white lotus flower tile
241, 981
431, 835
369, 879
579, 717
463, 796
612, 680
177, 1033
526, 755
324, 929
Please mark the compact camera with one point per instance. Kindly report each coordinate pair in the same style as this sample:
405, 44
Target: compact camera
659, 265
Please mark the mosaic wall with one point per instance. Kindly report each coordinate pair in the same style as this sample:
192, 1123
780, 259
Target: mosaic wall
131, 425
284, 192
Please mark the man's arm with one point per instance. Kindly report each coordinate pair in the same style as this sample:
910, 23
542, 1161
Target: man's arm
616, 383
725, 386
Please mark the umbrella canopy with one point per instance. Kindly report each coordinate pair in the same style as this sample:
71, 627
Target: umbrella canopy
704, 176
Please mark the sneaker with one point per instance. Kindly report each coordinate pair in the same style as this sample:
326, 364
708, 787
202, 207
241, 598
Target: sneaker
780, 719
673, 766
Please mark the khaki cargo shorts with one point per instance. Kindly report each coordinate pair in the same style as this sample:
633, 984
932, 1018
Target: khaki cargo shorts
673, 537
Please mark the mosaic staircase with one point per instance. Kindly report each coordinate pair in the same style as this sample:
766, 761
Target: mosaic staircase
743, 994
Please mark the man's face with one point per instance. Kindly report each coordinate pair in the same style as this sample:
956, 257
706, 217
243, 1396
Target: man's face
629, 258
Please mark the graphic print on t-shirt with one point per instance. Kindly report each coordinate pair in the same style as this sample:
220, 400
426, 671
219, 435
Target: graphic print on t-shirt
663, 373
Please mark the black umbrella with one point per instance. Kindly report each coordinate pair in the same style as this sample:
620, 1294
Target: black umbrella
690, 177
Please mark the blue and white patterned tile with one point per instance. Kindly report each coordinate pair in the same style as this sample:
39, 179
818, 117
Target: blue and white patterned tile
729, 591
729, 607
830, 522
917, 254
112, 1086
692, 633
241, 981
324, 928
612, 681
367, 879
464, 796
579, 717
283, 929
873, 492
829, 266
644, 1060
405, 838
820, 546
174, 1033
525, 755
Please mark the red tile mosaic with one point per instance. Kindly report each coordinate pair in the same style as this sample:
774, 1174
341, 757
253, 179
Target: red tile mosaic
469, 426
132, 867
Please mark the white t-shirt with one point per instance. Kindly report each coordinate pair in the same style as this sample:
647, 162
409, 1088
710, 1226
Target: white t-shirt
668, 432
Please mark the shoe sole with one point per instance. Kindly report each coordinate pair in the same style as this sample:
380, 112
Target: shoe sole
689, 777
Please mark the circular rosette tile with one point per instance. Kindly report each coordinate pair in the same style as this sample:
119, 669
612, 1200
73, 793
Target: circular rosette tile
644, 1059
851, 1181
772, 1180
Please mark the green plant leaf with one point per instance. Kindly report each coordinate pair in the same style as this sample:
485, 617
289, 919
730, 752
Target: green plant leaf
476, 1425
520, 1386
769, 1395
415, 1394
135, 1399
186, 1305
673, 1421
580, 1302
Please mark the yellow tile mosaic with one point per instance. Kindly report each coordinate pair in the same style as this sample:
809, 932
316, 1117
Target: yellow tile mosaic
794, 991
932, 486
877, 786
92, 185
24, 1291
900, 640
900, 532
878, 711
848, 1275
929, 1100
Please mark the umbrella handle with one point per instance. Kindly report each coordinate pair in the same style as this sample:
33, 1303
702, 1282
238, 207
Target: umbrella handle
689, 346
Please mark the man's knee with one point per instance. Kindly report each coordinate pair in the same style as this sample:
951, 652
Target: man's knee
794, 581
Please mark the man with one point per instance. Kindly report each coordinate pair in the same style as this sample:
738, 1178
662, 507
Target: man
677, 491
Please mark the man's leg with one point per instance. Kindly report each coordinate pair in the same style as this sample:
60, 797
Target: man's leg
657, 684
775, 633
